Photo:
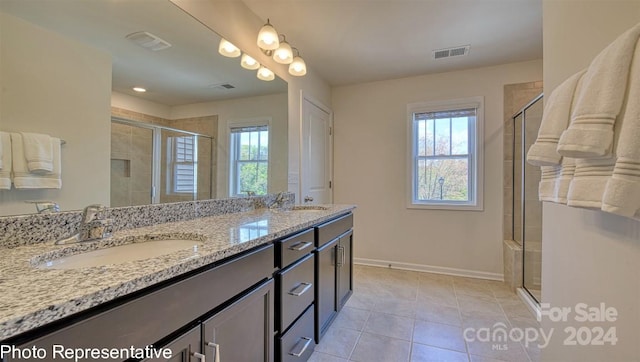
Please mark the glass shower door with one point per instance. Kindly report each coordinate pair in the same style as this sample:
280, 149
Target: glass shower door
531, 210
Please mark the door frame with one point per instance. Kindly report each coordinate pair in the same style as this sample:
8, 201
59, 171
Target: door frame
306, 97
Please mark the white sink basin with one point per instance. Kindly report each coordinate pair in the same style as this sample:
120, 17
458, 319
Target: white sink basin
123, 253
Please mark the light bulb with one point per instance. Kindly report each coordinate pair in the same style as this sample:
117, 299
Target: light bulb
139, 89
249, 63
227, 49
298, 67
284, 54
268, 37
265, 74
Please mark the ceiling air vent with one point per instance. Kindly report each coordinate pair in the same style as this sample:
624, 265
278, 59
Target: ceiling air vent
451, 52
222, 86
148, 41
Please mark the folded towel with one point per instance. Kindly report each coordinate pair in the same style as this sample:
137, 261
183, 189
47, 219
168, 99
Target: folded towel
555, 120
600, 99
5, 161
622, 192
23, 179
589, 181
547, 185
38, 152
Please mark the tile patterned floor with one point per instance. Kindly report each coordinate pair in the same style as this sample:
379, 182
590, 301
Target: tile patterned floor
397, 316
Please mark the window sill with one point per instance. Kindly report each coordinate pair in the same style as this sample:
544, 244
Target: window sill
445, 206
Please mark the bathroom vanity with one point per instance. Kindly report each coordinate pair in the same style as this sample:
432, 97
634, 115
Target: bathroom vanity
263, 286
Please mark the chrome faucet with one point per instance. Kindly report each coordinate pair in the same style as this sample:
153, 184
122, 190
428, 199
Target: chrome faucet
44, 206
278, 202
94, 225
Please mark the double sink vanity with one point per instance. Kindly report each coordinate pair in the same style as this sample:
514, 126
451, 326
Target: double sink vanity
226, 282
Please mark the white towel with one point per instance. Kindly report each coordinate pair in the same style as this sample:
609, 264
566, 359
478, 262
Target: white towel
5, 161
591, 132
555, 181
38, 152
622, 192
589, 181
23, 179
555, 120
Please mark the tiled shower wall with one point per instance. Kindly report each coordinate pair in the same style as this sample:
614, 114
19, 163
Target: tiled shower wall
131, 156
516, 96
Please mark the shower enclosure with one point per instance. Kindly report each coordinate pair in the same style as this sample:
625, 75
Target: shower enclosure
527, 209
156, 164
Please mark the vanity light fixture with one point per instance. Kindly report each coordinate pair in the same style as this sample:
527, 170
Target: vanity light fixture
272, 45
248, 62
227, 49
265, 74
139, 89
268, 37
297, 67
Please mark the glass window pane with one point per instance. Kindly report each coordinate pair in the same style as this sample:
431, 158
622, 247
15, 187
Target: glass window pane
460, 136
442, 179
443, 136
421, 143
253, 177
264, 145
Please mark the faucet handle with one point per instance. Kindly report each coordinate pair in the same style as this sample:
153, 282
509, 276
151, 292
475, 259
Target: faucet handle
94, 212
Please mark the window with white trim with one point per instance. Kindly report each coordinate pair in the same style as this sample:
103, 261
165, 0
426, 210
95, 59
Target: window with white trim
445, 154
249, 160
183, 165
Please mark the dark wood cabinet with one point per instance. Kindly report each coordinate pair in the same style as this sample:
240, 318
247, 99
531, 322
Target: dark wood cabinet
244, 330
186, 348
334, 270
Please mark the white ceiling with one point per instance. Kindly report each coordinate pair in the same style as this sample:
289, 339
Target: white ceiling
354, 41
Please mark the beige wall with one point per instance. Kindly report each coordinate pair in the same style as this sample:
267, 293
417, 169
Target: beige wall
60, 87
588, 256
370, 158
234, 21
273, 107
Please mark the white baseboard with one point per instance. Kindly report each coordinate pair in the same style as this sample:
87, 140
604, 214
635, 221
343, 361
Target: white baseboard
531, 304
429, 269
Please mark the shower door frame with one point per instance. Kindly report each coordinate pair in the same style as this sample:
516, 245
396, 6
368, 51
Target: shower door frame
157, 156
522, 186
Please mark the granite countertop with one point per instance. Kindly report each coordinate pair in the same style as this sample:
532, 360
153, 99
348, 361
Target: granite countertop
31, 297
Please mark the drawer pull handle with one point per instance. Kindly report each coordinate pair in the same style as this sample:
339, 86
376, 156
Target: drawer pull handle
303, 286
199, 356
305, 344
216, 353
300, 246
340, 259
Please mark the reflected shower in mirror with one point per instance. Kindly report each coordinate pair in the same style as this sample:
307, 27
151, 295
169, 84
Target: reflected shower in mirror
67, 67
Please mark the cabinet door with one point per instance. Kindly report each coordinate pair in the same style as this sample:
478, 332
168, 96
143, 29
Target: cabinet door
185, 348
325, 287
244, 331
345, 269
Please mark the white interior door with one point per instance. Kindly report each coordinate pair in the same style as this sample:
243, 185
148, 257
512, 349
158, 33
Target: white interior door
316, 158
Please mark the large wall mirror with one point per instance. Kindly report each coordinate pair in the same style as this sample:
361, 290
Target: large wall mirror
204, 128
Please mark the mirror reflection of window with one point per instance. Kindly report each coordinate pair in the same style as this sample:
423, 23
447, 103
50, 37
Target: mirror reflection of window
249, 161
182, 160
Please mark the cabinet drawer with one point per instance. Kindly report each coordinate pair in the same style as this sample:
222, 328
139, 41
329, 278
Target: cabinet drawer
294, 248
296, 291
298, 344
334, 228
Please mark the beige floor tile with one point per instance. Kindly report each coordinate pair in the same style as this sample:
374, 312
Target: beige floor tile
373, 347
438, 296
361, 300
389, 325
323, 357
474, 290
474, 305
480, 320
338, 342
475, 358
439, 335
398, 307
424, 353
516, 309
438, 313
351, 318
